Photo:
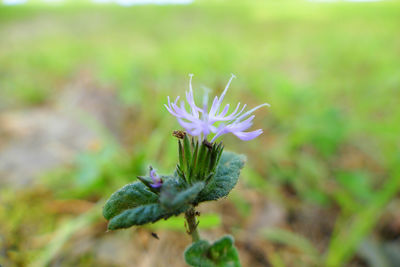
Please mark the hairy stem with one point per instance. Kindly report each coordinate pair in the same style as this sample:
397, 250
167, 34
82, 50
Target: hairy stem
190, 216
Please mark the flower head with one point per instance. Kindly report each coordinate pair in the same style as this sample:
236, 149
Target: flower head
157, 181
202, 122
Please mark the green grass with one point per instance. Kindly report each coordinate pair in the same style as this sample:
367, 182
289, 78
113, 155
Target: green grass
329, 71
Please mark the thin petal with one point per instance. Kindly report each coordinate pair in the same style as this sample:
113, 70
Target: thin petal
214, 106
187, 125
224, 111
225, 90
243, 125
246, 136
251, 111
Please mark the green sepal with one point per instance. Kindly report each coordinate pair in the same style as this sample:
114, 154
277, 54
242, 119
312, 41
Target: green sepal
206, 162
222, 253
200, 161
179, 172
197, 160
225, 178
181, 165
213, 157
187, 155
128, 197
219, 153
193, 163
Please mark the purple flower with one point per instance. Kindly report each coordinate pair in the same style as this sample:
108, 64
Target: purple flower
157, 181
202, 122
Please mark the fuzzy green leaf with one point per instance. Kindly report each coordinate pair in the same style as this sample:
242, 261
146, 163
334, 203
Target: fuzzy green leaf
225, 178
128, 197
221, 253
142, 215
174, 195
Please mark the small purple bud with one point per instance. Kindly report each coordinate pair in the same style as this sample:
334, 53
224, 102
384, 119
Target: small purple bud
157, 181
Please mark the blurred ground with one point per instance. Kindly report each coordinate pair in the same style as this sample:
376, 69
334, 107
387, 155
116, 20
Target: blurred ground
81, 95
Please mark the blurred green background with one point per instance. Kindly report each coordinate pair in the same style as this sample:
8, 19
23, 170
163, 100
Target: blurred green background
82, 89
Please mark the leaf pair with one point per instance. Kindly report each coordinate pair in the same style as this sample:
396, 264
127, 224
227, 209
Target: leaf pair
222, 253
135, 204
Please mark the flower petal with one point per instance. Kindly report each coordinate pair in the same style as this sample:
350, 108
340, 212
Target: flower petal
246, 136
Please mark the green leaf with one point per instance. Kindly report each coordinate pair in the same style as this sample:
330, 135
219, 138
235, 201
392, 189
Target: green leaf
128, 197
174, 194
196, 254
225, 178
222, 253
134, 204
142, 215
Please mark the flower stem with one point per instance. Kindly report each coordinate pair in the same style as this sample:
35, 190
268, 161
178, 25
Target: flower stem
190, 216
